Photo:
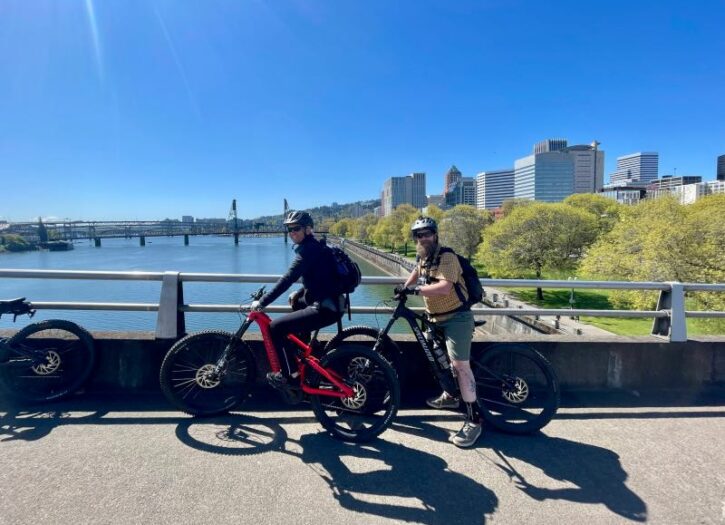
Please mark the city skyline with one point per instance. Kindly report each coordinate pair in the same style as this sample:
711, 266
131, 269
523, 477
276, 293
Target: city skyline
149, 110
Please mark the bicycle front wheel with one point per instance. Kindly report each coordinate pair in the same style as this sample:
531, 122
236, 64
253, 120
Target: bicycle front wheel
517, 386
190, 380
46, 361
372, 407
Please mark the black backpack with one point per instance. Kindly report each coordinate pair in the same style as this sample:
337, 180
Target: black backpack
470, 277
348, 272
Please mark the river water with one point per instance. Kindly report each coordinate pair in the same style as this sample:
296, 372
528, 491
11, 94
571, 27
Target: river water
204, 254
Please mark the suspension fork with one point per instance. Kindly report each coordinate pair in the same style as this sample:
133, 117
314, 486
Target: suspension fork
221, 363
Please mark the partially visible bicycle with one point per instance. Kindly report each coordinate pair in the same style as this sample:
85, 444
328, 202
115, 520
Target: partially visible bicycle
45, 360
517, 386
353, 391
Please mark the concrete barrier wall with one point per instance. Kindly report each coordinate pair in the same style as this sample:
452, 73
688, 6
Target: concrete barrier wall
131, 361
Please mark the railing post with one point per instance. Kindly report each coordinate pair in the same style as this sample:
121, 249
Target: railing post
674, 326
170, 320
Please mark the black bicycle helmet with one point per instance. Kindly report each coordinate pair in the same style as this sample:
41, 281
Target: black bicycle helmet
298, 217
424, 223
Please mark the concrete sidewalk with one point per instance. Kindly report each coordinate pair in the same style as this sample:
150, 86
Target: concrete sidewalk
133, 460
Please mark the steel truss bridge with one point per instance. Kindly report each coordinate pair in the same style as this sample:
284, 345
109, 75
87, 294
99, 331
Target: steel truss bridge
71, 230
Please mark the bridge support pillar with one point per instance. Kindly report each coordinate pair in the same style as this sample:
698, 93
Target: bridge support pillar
97, 242
236, 238
142, 240
186, 239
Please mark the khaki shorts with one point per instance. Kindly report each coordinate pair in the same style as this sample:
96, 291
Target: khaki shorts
458, 329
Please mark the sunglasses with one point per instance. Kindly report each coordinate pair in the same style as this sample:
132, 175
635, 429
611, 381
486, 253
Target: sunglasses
424, 235
294, 229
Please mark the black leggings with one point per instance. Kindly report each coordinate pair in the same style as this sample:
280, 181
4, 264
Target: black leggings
305, 320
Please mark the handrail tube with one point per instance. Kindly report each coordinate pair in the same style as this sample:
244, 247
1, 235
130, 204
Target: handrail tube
63, 305
150, 307
82, 275
669, 318
269, 278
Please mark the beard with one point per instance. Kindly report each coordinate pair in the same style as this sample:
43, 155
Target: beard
425, 250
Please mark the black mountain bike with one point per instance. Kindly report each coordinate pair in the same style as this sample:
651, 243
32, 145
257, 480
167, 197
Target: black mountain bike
45, 360
516, 384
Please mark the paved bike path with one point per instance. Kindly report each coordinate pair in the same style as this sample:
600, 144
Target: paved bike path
133, 460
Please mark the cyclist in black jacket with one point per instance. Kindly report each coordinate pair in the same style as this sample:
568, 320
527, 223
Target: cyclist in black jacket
318, 303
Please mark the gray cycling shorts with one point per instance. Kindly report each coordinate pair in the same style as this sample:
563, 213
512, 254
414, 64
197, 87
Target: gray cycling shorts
458, 330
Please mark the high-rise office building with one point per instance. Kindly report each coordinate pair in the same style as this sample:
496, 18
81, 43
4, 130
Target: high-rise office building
494, 187
548, 145
403, 190
547, 176
462, 192
451, 177
637, 169
721, 167
588, 167
556, 170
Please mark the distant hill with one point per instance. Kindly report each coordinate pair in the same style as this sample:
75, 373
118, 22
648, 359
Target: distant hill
333, 211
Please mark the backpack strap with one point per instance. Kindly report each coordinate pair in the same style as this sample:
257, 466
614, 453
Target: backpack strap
456, 285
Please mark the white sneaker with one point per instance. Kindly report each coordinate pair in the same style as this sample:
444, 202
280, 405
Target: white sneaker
468, 435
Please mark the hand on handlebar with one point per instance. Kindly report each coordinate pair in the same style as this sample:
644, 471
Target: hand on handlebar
401, 291
255, 306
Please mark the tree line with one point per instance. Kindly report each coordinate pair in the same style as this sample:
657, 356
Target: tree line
587, 235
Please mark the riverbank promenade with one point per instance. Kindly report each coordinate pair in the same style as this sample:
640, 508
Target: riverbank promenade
131, 459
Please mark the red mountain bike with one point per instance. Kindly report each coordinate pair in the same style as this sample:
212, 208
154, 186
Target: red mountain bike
354, 392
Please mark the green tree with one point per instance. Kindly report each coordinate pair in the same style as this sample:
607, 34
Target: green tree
434, 212
394, 230
405, 216
509, 204
461, 228
535, 238
661, 240
16, 243
639, 248
606, 210
342, 228
363, 227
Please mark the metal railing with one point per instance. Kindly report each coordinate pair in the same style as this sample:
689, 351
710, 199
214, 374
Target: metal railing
669, 317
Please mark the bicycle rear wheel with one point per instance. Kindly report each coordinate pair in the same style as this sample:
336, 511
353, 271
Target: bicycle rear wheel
371, 409
190, 382
517, 386
46, 361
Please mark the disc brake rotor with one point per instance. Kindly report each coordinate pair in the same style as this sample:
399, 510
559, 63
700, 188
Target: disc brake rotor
206, 378
360, 369
358, 399
516, 393
51, 364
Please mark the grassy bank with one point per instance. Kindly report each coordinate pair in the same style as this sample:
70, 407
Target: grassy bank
599, 300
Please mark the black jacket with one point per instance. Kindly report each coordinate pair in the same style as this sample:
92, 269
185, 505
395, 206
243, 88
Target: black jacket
314, 264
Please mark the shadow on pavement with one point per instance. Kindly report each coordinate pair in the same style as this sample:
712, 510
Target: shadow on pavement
587, 474
595, 472
436, 495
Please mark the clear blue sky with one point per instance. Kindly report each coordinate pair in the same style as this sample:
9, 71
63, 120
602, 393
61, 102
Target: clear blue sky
123, 109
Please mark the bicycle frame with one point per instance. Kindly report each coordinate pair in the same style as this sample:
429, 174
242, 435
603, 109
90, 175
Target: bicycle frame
304, 357
446, 380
